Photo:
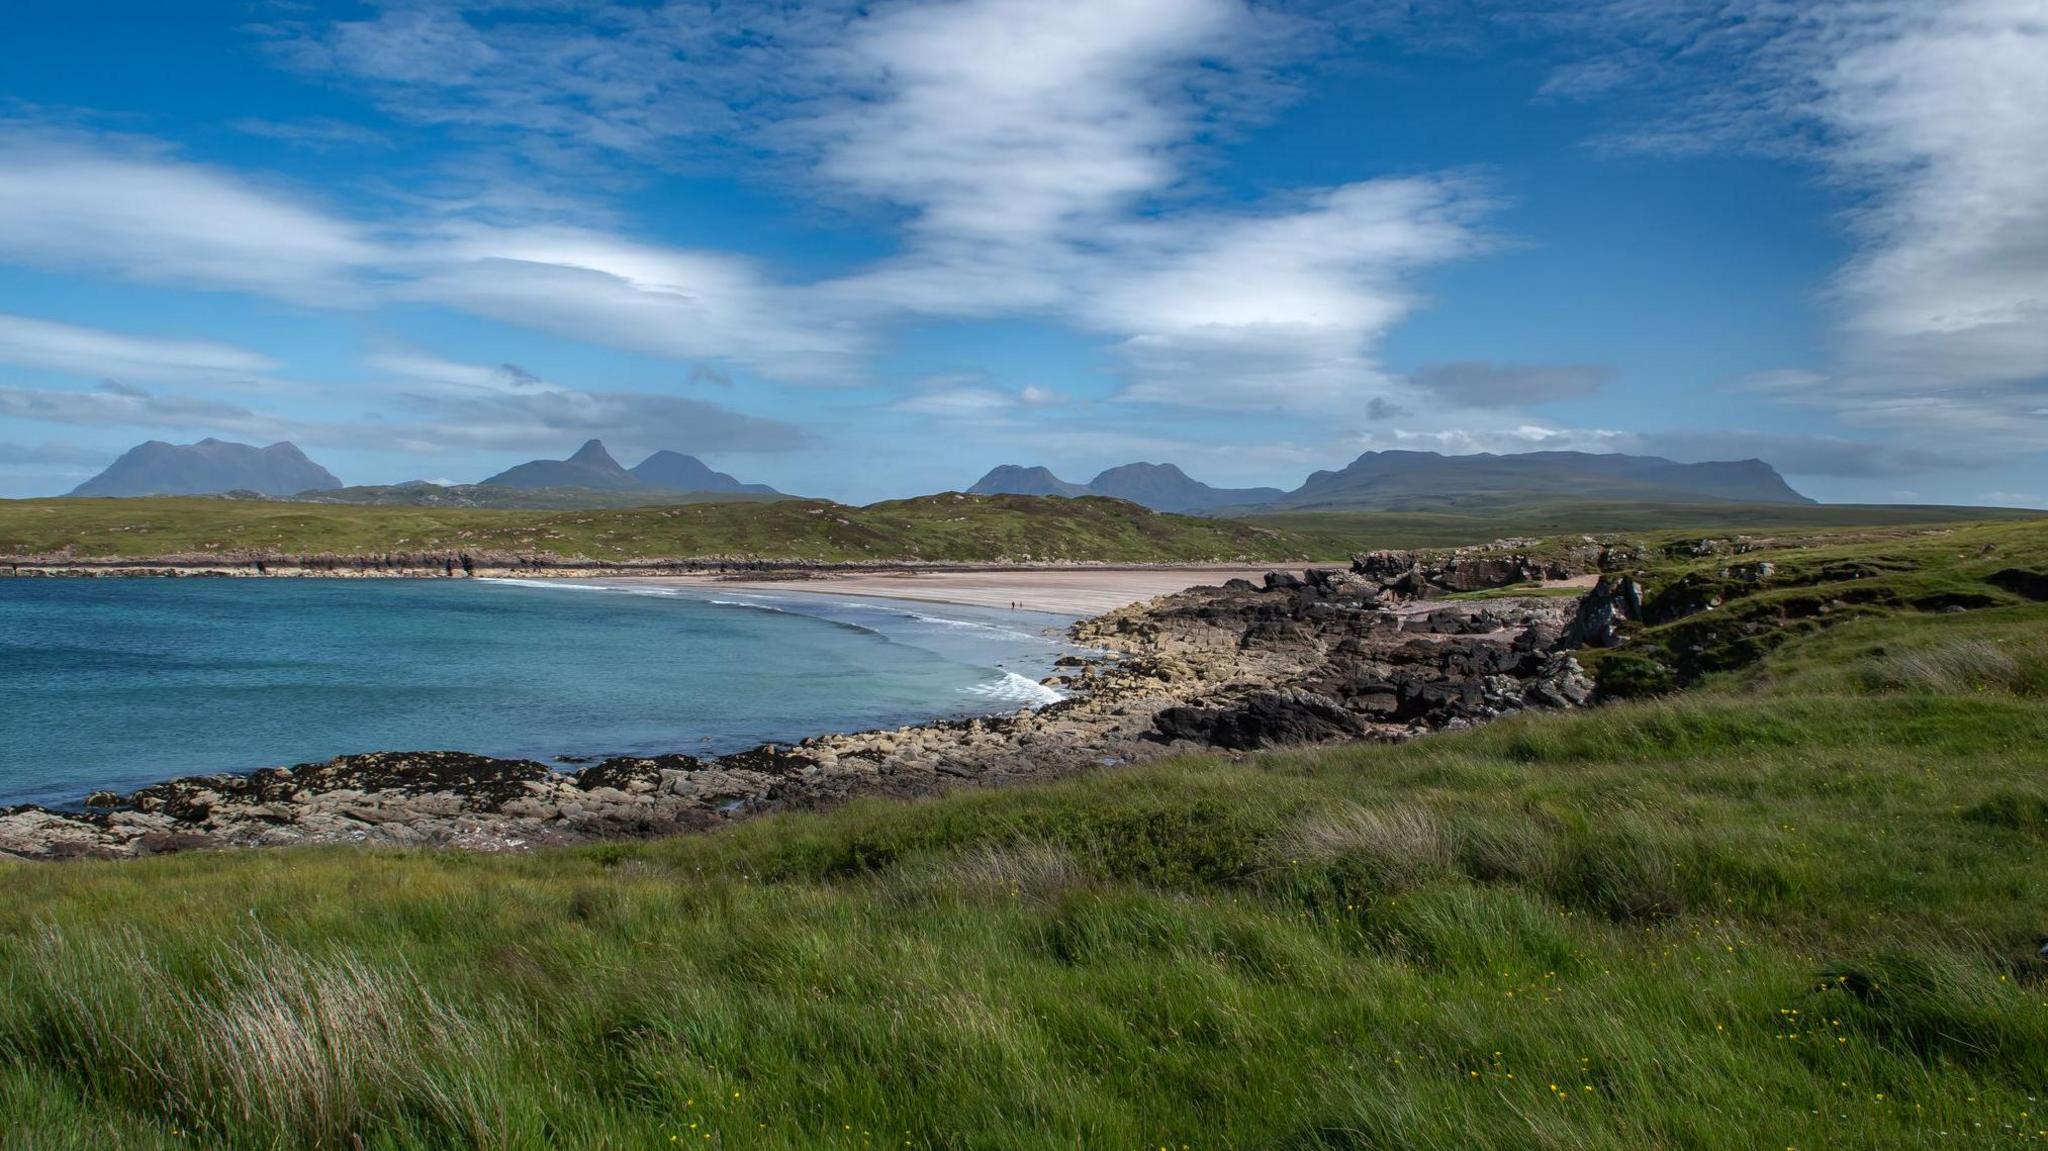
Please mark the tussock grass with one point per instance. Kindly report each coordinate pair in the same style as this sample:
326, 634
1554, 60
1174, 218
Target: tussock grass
2008, 664
253, 1041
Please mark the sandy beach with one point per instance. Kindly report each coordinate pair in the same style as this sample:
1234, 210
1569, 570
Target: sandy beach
1075, 592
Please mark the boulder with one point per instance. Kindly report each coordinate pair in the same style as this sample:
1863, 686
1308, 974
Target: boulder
1601, 612
1265, 719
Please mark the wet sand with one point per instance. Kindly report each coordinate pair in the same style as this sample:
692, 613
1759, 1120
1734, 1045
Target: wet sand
1072, 592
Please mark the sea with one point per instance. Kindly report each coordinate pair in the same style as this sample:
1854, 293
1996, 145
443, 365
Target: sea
118, 683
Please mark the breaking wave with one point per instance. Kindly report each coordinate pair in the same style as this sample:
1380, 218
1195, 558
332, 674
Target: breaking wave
1014, 688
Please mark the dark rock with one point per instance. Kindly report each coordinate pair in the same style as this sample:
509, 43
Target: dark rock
1266, 719
1601, 612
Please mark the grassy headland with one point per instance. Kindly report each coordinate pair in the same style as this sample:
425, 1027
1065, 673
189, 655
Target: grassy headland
1482, 521
942, 528
1797, 906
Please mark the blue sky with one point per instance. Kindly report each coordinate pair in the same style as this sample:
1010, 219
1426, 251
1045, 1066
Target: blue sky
870, 250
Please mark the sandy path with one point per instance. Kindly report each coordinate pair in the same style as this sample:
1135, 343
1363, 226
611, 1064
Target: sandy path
1077, 592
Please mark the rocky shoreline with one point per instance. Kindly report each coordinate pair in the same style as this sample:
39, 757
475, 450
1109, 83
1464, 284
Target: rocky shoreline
1369, 653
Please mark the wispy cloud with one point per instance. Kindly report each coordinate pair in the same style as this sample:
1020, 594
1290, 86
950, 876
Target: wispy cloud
93, 352
121, 406
130, 208
453, 405
52, 453
1041, 153
1480, 384
1931, 116
969, 397
322, 133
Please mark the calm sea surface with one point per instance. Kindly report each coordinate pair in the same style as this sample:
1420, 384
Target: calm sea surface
121, 682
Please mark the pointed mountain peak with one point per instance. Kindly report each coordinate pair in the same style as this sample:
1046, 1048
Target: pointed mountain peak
593, 455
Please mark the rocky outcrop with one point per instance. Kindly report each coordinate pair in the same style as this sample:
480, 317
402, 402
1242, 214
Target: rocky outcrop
1597, 620
1299, 658
1501, 564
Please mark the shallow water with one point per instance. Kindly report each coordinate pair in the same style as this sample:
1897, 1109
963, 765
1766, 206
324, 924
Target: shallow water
120, 682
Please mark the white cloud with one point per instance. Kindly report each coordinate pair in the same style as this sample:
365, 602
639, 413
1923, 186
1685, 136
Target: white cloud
680, 303
93, 352
1044, 155
1042, 151
1282, 311
959, 403
968, 397
1943, 111
1026, 138
1930, 117
121, 406
1008, 121
464, 405
131, 209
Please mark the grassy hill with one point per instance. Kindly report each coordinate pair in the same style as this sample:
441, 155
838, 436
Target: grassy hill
1796, 906
1481, 521
535, 499
947, 527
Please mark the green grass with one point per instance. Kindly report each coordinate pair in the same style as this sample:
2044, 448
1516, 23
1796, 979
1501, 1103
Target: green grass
1795, 907
1717, 612
945, 527
941, 528
1485, 522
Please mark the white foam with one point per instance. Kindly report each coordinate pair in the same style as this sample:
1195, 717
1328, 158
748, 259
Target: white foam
1014, 688
747, 603
972, 625
565, 585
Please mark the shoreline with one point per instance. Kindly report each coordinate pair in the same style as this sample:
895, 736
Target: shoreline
1366, 655
1061, 592
1073, 590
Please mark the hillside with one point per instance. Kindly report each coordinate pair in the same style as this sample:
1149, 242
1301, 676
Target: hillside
1365, 530
950, 527
1797, 906
158, 468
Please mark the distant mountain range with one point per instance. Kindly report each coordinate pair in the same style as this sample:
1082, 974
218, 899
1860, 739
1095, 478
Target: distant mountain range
594, 468
590, 478
1375, 481
1400, 481
160, 469
1161, 487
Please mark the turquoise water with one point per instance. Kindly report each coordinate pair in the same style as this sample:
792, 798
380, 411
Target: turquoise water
117, 683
